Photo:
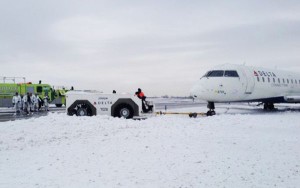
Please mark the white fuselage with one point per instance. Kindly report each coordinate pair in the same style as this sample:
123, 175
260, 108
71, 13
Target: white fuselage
237, 83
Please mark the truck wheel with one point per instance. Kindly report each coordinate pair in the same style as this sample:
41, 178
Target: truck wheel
58, 105
81, 112
124, 111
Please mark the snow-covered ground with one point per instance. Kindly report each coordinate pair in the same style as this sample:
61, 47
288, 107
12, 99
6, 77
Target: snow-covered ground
236, 149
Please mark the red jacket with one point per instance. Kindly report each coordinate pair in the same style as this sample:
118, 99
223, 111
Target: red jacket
141, 95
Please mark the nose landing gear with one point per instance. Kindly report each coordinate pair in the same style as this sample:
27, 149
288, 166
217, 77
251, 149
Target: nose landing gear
211, 107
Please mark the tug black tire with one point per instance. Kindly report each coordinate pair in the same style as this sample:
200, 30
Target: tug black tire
82, 112
82, 108
72, 112
124, 110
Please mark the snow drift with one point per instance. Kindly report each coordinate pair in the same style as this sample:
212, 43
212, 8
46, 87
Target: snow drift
165, 151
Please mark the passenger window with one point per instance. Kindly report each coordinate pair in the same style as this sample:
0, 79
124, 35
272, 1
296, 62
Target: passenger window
231, 73
292, 81
283, 80
216, 73
258, 79
287, 80
268, 79
278, 80
263, 79
274, 80
296, 82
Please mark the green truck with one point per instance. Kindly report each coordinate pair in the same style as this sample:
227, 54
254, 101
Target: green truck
8, 90
59, 97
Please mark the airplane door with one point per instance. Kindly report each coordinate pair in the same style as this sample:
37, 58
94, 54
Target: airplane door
250, 82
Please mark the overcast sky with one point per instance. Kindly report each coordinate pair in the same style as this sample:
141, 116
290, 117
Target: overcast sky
162, 46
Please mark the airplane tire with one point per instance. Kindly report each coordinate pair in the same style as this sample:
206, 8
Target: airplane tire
208, 113
269, 106
58, 105
211, 113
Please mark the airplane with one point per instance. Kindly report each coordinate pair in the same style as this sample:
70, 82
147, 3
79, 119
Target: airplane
240, 83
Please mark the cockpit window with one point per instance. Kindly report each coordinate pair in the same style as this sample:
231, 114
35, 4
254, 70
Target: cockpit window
221, 73
231, 73
207, 73
215, 73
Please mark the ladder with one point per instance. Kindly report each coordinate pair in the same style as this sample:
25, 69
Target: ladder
13, 79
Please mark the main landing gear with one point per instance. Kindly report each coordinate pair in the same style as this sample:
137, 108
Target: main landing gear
269, 106
211, 107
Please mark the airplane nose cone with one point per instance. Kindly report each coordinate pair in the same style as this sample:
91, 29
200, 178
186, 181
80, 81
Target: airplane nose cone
193, 92
197, 91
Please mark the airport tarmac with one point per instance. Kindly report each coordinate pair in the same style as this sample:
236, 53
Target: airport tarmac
9, 115
167, 105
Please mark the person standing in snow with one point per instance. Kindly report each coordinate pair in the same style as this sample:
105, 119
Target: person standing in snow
22, 102
27, 103
16, 100
46, 103
39, 102
34, 102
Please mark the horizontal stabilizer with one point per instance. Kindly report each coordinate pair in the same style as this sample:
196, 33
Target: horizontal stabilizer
295, 98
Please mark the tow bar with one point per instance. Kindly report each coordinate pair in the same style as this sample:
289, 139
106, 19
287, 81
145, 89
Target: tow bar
190, 114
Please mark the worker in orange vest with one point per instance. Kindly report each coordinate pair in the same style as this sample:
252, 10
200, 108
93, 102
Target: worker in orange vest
140, 94
145, 106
